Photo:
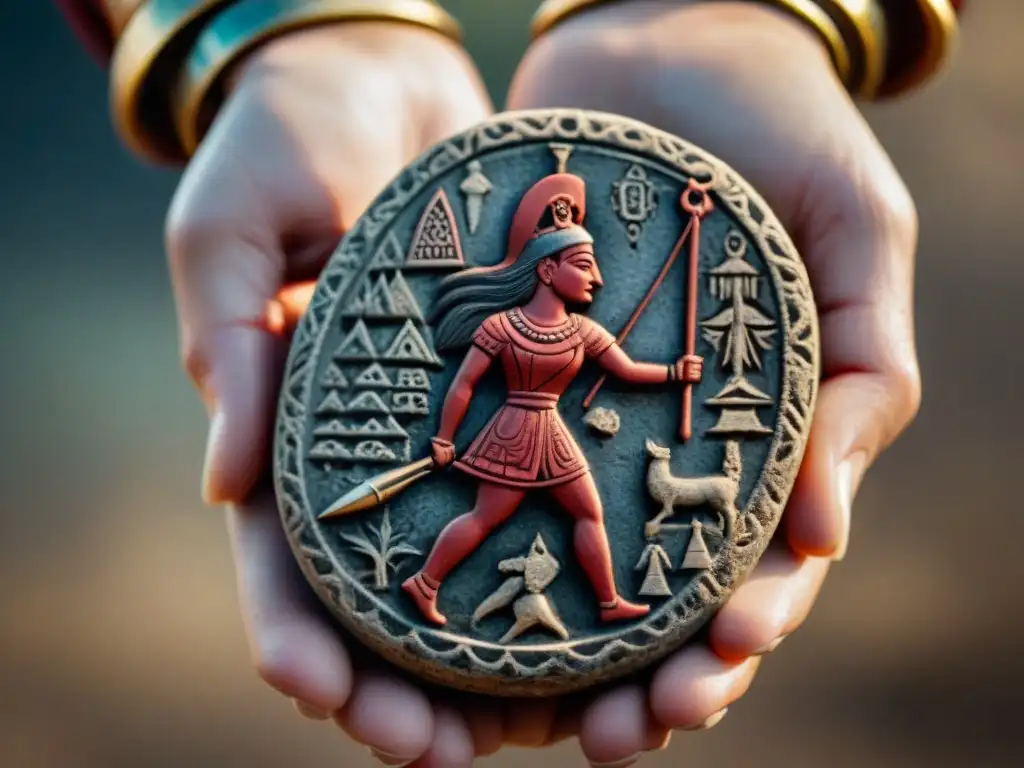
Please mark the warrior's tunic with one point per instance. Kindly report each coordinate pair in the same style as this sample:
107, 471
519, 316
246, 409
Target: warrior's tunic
526, 444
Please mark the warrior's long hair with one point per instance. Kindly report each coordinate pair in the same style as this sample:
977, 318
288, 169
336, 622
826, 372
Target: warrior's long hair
466, 299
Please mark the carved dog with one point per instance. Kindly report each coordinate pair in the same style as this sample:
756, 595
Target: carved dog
536, 572
718, 491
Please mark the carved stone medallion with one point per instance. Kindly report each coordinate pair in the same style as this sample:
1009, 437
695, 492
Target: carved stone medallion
523, 449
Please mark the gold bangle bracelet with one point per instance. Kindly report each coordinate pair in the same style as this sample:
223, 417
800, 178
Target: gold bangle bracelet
812, 14
147, 55
863, 26
249, 23
553, 12
942, 37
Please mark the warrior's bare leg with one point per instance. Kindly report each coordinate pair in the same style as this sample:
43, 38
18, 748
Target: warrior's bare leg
458, 540
581, 499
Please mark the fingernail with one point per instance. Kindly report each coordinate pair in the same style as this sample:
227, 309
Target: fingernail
848, 477
308, 710
658, 742
711, 722
770, 647
210, 497
626, 761
392, 760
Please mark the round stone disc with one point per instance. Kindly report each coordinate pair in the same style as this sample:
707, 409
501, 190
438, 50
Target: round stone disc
547, 404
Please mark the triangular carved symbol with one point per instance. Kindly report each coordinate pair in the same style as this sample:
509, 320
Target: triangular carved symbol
334, 378
389, 254
410, 346
402, 300
373, 299
367, 402
331, 429
357, 344
331, 404
330, 449
435, 245
374, 377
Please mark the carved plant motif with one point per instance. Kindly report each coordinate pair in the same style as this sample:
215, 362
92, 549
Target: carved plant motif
382, 545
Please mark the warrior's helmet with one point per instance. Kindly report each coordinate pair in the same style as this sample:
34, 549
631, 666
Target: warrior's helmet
549, 219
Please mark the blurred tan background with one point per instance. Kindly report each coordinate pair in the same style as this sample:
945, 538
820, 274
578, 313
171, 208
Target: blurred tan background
120, 641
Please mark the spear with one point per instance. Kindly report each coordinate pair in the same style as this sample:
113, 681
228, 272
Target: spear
379, 489
696, 210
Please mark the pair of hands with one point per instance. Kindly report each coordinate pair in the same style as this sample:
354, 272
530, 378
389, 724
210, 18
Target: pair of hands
320, 121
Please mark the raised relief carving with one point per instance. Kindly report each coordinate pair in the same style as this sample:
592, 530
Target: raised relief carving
655, 560
388, 255
357, 346
376, 451
334, 378
720, 492
525, 592
384, 548
410, 402
380, 388
604, 421
697, 556
561, 152
409, 346
475, 187
331, 404
383, 306
367, 402
739, 333
381, 298
696, 202
539, 663
373, 377
526, 446
412, 378
634, 200
329, 451
436, 245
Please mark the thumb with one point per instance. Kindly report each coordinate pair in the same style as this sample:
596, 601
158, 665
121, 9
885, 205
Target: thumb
858, 241
232, 330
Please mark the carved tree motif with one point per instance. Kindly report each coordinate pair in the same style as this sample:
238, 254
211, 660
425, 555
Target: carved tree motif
383, 547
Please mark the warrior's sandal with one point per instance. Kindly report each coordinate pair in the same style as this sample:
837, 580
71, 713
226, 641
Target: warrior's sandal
425, 597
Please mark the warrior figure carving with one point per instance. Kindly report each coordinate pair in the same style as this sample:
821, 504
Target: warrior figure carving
515, 314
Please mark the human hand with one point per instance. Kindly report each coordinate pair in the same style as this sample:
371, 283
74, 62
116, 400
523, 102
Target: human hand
755, 88
442, 451
689, 369
317, 123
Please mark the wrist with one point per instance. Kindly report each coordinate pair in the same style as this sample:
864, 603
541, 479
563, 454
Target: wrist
171, 62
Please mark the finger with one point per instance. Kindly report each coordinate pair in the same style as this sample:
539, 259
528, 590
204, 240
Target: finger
294, 648
859, 241
657, 737
309, 711
769, 605
238, 210
568, 721
485, 723
528, 723
460, 99
290, 306
452, 745
613, 731
695, 685
391, 717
